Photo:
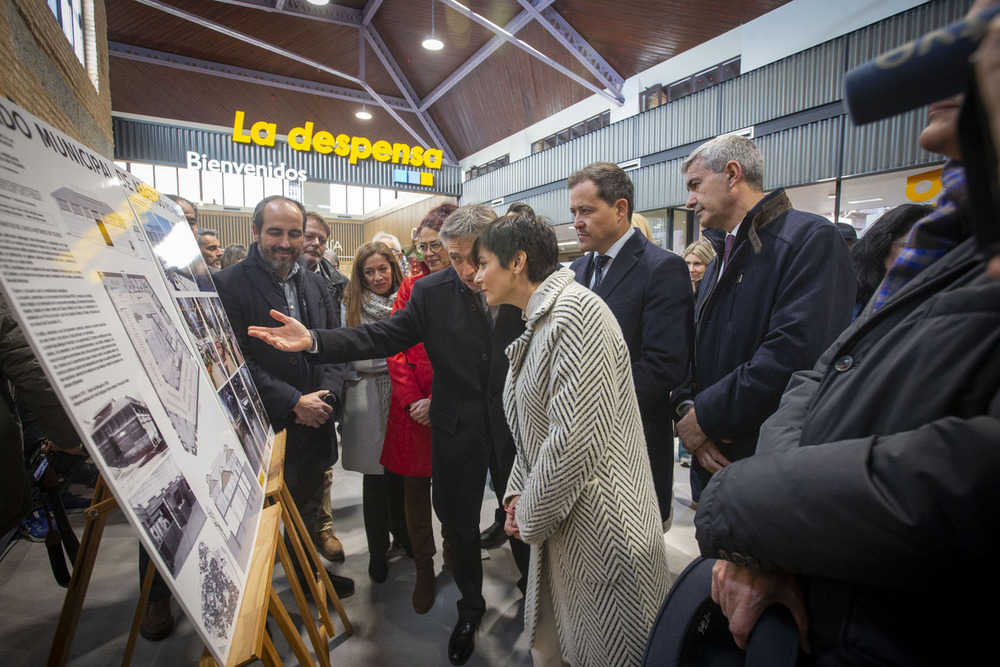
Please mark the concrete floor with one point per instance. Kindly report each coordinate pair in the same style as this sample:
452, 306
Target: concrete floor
386, 629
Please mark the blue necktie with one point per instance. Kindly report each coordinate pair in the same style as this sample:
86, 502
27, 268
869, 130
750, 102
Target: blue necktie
599, 262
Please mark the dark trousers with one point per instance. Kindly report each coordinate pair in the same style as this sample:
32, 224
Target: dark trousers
467, 568
384, 511
306, 462
500, 467
159, 590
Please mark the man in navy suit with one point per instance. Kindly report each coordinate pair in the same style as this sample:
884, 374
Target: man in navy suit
649, 291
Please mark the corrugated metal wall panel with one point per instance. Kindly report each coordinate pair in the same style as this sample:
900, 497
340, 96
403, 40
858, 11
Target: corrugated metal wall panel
552, 205
799, 155
874, 40
687, 120
156, 143
659, 185
802, 81
886, 145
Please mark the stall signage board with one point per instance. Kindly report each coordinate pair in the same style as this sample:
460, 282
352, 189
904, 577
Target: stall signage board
111, 290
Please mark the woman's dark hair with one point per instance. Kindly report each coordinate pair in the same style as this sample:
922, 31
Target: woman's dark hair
436, 216
522, 231
870, 251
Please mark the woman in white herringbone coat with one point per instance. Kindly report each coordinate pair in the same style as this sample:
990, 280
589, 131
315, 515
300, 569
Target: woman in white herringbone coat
581, 492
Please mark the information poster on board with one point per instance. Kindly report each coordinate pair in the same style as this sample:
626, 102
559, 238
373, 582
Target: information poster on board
111, 289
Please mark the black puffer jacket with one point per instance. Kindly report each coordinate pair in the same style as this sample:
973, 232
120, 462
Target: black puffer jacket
876, 479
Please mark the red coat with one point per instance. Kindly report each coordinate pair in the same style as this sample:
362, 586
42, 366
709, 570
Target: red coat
407, 447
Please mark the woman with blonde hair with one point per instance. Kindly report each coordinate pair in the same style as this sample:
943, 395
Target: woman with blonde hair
698, 255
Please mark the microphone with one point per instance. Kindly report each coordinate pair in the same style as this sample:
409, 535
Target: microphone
928, 69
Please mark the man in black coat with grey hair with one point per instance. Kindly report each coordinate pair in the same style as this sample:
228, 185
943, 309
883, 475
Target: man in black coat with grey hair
464, 345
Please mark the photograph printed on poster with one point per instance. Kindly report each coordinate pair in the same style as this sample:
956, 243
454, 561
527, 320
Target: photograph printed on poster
246, 405
219, 591
215, 313
240, 423
255, 397
235, 493
92, 220
163, 352
168, 511
131, 445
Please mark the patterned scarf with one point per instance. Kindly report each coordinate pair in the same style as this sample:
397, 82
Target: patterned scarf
375, 307
932, 237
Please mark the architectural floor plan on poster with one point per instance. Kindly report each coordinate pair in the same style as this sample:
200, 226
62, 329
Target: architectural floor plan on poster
108, 283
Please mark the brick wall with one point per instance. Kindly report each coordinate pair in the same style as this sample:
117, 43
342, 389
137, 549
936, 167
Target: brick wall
41, 73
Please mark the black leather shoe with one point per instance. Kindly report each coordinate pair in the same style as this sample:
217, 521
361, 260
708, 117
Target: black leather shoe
463, 640
342, 585
494, 536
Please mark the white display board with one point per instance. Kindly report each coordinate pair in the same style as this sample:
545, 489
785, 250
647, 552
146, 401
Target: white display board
109, 285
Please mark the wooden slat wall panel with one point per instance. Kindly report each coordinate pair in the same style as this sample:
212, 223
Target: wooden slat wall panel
401, 221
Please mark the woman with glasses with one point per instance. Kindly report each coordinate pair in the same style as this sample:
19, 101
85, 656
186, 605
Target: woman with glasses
407, 448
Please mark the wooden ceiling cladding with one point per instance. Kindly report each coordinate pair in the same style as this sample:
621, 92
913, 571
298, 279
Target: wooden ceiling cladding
647, 33
403, 24
507, 92
164, 92
329, 44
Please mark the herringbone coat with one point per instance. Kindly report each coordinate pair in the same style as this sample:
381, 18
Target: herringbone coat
587, 505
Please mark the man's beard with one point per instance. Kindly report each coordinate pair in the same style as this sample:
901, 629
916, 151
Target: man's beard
280, 266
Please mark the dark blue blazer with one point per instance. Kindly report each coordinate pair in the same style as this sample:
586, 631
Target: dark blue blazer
649, 291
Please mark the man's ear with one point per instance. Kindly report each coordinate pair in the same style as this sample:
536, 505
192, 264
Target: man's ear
734, 172
621, 208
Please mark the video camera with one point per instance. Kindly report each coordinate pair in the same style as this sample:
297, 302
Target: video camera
931, 68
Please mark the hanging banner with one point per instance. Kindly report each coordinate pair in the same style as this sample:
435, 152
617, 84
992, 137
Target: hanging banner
109, 286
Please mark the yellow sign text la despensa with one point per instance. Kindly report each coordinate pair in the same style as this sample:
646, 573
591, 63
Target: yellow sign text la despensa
305, 139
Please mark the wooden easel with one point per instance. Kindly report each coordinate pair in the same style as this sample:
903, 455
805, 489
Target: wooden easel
250, 640
320, 587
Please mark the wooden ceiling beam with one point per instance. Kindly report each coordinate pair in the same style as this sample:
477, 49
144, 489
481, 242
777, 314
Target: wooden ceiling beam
578, 47
532, 51
515, 25
235, 34
199, 66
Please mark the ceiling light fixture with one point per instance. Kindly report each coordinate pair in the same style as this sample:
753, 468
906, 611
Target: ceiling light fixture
364, 114
432, 43
319, 2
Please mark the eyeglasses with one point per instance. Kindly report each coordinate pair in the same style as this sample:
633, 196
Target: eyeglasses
434, 246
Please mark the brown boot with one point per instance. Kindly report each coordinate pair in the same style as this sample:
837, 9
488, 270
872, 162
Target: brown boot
417, 495
328, 545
